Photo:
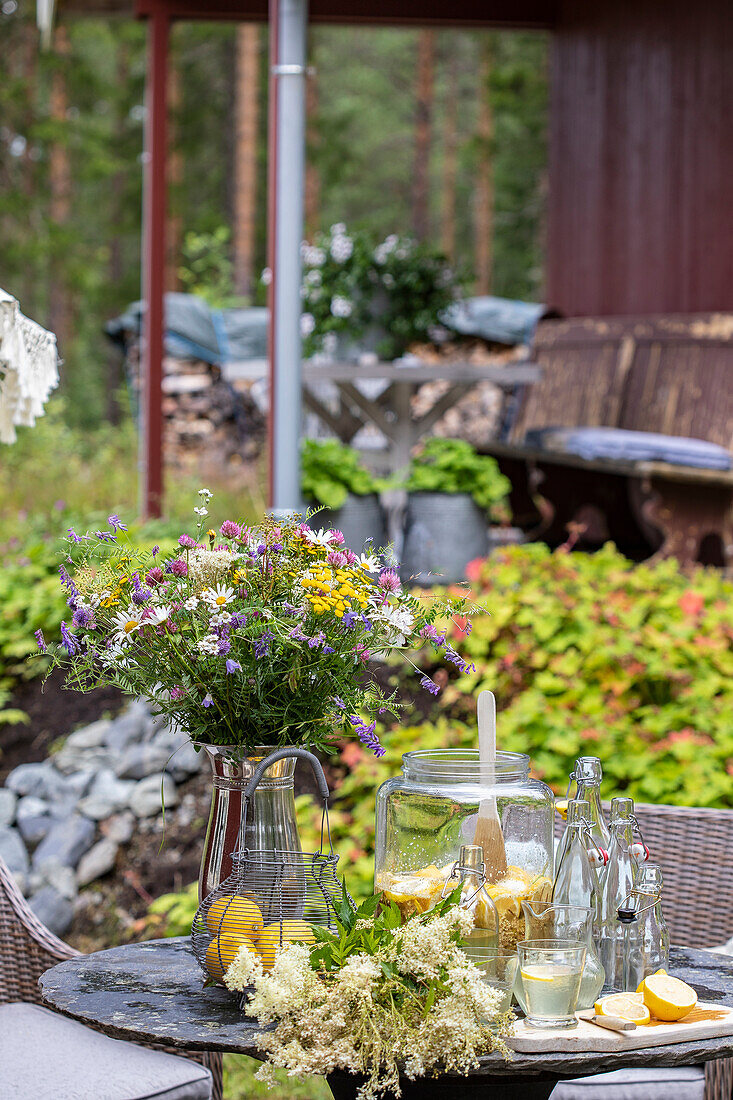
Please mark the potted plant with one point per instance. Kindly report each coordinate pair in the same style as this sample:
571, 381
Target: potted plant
453, 494
248, 639
333, 476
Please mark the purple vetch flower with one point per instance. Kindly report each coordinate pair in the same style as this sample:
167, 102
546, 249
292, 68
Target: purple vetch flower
458, 661
41, 641
238, 619
187, 542
233, 666
155, 551
74, 537
367, 622
224, 646
115, 523
338, 701
230, 530
429, 685
298, 634
316, 640
262, 646
177, 567
207, 700
69, 642
349, 618
105, 536
366, 734
389, 581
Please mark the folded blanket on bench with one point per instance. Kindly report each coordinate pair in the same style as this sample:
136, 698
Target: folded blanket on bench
621, 445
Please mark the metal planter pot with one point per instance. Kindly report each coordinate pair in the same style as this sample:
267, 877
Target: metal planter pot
443, 533
361, 519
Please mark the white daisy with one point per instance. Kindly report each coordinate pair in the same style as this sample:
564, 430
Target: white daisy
159, 615
400, 619
319, 538
126, 623
191, 603
218, 597
370, 563
209, 645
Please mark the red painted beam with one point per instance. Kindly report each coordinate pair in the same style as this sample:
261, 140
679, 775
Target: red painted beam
154, 224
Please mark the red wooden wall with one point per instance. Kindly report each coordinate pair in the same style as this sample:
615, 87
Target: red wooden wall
640, 216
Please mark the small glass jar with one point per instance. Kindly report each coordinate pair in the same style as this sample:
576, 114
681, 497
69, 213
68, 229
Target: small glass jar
426, 815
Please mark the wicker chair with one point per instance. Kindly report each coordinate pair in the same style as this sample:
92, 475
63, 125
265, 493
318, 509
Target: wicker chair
28, 948
690, 844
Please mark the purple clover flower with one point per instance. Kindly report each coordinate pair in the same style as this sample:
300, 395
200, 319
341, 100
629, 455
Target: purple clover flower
233, 666
276, 546
177, 693
230, 530
351, 557
69, 642
115, 523
187, 542
366, 734
429, 685
177, 567
154, 575
41, 641
389, 581
336, 559
337, 537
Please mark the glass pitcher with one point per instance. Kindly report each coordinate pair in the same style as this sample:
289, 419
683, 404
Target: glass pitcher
565, 922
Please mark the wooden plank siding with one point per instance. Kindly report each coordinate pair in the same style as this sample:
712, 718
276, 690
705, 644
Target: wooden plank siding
640, 216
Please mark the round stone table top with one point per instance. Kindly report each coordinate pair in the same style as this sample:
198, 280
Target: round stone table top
154, 992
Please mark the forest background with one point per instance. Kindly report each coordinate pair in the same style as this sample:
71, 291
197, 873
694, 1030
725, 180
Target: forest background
436, 134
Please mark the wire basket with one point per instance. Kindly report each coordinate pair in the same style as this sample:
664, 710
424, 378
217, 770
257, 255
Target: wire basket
272, 896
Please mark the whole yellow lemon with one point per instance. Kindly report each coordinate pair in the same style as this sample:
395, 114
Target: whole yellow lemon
231, 915
221, 953
281, 932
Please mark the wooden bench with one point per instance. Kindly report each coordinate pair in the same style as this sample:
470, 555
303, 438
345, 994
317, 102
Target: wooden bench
671, 375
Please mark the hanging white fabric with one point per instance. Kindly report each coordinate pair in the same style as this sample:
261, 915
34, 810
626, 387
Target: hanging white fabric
29, 368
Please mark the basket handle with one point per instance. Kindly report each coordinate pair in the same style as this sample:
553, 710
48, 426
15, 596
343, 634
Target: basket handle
281, 754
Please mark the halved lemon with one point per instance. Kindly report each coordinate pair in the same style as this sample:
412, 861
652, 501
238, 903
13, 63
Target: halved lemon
640, 986
628, 1006
668, 998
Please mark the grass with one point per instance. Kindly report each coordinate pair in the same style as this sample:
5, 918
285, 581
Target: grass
240, 1083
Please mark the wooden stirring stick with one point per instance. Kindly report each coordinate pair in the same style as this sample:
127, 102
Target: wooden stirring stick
488, 827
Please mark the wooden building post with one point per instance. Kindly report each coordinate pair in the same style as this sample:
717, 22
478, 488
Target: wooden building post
154, 217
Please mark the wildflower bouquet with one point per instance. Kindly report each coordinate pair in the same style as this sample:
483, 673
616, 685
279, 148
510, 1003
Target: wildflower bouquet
245, 636
375, 998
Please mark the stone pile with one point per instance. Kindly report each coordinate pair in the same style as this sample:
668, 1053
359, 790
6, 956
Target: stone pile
63, 820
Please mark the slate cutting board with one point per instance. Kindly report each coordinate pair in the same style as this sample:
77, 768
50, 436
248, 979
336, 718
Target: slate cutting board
706, 1021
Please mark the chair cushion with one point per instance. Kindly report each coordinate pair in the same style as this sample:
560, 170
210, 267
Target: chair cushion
674, 1083
48, 1057
621, 445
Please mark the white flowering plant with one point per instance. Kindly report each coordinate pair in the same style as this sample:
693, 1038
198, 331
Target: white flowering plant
376, 998
244, 635
399, 286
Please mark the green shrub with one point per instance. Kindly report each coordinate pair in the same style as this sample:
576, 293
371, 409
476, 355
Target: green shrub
453, 466
329, 471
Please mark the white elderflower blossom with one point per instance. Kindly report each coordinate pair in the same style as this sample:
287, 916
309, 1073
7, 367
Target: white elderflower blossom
307, 324
342, 248
341, 307
245, 969
206, 568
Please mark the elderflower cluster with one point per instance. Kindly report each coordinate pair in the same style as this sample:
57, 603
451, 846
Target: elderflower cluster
415, 1005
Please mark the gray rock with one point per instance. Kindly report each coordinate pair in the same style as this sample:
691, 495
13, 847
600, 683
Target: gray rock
32, 816
98, 861
13, 852
41, 780
89, 737
66, 841
106, 796
183, 760
133, 725
78, 782
119, 827
53, 909
71, 759
145, 800
57, 875
8, 802
139, 761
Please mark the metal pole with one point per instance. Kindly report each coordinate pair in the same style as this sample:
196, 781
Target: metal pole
288, 146
153, 273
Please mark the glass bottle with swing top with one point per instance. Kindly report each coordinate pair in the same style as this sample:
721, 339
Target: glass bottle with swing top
576, 880
623, 860
588, 775
646, 936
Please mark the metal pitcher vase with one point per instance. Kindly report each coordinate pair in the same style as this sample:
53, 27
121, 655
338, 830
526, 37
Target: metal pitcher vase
271, 822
